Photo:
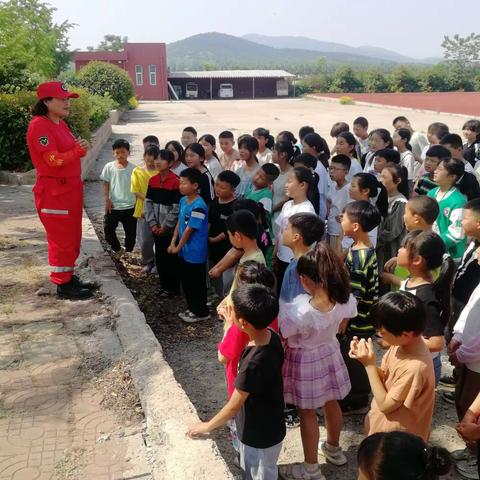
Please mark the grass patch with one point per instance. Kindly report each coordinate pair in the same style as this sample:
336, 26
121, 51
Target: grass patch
7, 242
70, 465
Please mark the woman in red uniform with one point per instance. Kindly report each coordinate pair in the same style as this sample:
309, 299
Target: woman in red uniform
56, 154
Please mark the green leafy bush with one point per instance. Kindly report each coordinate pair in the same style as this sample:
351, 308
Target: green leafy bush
102, 78
15, 114
79, 118
100, 110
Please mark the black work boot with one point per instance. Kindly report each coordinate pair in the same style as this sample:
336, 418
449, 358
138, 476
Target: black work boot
79, 283
72, 291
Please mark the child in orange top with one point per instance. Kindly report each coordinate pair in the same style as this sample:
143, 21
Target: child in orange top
404, 386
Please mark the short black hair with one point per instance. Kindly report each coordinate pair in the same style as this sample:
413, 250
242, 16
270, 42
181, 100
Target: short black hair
152, 150
473, 205
192, 175
151, 139
452, 139
439, 129
338, 128
229, 177
400, 118
425, 207
244, 222
363, 213
362, 121
304, 131
399, 312
342, 160
191, 130
307, 160
167, 155
226, 134
439, 151
256, 304
472, 125
253, 272
120, 143
272, 171
389, 154
309, 226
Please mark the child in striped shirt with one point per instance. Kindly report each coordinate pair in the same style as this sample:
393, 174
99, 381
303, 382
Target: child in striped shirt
359, 218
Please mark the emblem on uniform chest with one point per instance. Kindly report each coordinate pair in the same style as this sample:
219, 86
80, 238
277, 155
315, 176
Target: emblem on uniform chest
43, 141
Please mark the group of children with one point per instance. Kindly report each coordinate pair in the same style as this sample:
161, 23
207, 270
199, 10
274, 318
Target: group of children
321, 258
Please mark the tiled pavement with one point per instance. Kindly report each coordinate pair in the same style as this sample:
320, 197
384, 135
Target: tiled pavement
52, 423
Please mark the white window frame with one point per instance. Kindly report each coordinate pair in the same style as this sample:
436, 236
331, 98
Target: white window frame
152, 73
139, 75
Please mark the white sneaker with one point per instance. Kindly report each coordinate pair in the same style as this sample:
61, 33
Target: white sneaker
190, 317
333, 455
298, 471
459, 455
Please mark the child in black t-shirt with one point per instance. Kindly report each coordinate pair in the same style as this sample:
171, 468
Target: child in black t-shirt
257, 400
218, 244
423, 255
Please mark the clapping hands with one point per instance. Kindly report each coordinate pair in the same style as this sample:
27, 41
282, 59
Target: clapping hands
363, 351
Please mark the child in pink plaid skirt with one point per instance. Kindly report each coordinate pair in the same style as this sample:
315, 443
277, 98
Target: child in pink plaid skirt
314, 373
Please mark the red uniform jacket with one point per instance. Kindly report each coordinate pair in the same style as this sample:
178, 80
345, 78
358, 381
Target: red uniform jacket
53, 149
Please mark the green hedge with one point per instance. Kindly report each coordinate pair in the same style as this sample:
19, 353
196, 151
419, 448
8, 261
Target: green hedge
14, 118
87, 113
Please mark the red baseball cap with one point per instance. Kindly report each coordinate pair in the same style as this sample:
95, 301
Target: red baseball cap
54, 90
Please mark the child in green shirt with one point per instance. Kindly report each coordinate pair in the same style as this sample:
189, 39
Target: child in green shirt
451, 202
261, 189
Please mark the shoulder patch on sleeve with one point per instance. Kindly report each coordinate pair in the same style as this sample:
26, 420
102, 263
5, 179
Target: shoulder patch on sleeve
43, 140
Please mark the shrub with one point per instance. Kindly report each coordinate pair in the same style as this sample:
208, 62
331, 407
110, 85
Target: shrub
15, 114
100, 110
132, 103
103, 78
346, 100
79, 118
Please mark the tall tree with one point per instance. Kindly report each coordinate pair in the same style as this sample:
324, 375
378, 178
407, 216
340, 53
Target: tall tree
464, 51
112, 43
28, 35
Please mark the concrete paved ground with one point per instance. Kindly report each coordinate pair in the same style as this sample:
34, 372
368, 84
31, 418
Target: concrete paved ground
167, 119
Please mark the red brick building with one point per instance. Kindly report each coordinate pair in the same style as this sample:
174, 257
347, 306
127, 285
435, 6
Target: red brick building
146, 63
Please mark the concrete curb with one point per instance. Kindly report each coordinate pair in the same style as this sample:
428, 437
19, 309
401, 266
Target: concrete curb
319, 98
168, 410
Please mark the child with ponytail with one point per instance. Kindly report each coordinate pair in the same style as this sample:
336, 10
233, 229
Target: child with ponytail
423, 255
400, 456
401, 140
314, 373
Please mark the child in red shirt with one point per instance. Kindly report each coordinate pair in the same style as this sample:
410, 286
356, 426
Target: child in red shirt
234, 340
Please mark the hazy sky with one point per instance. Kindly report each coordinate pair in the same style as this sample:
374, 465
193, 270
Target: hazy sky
411, 27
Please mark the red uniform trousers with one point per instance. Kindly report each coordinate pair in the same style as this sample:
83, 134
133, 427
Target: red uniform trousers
59, 203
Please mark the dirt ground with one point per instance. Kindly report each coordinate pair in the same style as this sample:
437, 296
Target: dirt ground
191, 349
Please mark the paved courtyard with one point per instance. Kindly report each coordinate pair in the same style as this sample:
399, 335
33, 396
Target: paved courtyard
167, 119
